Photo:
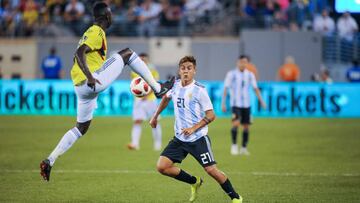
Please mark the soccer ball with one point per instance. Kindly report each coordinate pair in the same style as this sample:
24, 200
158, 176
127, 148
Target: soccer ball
139, 88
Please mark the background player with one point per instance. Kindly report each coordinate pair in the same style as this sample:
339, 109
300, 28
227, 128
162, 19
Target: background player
143, 109
91, 74
193, 112
238, 81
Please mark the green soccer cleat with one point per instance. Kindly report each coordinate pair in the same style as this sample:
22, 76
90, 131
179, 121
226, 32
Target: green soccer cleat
195, 188
237, 200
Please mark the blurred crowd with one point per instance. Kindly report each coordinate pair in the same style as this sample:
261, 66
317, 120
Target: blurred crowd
172, 17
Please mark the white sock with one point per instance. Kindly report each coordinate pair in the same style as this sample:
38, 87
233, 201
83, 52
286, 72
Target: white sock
139, 67
65, 143
157, 134
135, 135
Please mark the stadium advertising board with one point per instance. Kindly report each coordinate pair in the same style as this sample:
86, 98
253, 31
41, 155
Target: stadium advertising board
44, 97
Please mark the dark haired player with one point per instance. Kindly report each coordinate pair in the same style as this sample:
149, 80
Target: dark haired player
91, 74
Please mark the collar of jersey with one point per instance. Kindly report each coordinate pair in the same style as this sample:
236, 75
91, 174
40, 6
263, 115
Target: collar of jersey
193, 82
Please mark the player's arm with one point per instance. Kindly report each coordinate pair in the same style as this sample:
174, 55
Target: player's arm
163, 104
223, 100
80, 57
209, 117
257, 91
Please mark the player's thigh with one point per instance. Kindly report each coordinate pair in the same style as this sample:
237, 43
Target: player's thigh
139, 110
175, 151
236, 116
86, 103
245, 116
201, 150
109, 72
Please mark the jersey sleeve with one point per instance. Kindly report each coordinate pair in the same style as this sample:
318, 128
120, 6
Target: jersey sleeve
253, 81
205, 101
93, 39
227, 81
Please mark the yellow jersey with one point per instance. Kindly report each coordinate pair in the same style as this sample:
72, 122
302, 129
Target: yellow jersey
155, 74
95, 39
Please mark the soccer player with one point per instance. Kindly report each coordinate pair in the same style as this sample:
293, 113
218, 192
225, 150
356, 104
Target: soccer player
143, 109
193, 112
238, 81
91, 74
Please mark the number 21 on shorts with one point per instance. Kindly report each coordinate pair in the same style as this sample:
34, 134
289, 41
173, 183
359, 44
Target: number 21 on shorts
206, 158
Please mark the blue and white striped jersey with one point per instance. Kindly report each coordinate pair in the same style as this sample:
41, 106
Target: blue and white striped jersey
190, 104
238, 84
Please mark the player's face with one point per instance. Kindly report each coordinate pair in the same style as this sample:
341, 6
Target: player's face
242, 63
187, 71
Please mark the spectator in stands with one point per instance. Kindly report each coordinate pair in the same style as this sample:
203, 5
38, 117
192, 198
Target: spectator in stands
132, 17
149, 18
56, 11
324, 24
289, 71
7, 25
30, 14
298, 12
52, 66
74, 11
170, 15
279, 23
347, 27
353, 73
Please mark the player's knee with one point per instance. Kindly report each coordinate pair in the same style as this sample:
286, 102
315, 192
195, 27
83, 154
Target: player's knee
125, 54
83, 127
210, 170
138, 122
161, 169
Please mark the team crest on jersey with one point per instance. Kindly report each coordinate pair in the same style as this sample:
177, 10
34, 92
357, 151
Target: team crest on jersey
190, 95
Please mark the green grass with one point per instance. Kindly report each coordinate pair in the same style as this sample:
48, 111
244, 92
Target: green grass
292, 160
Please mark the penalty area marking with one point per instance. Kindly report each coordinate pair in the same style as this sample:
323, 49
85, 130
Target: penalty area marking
289, 174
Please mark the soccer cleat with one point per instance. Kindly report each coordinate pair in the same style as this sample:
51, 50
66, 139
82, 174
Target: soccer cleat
165, 87
244, 151
45, 169
132, 147
195, 188
234, 149
237, 200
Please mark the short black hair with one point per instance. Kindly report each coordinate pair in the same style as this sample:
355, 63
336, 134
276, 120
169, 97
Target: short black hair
99, 9
243, 56
143, 54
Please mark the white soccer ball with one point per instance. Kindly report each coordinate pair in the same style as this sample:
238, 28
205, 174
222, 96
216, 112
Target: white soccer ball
139, 88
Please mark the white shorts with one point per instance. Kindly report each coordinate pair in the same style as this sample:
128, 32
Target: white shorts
143, 109
87, 97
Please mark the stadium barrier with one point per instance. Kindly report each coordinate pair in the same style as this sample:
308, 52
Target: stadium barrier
57, 97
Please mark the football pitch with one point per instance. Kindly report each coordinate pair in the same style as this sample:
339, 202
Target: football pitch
292, 160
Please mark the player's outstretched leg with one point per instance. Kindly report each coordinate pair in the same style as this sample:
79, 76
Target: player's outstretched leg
139, 67
65, 143
166, 167
224, 182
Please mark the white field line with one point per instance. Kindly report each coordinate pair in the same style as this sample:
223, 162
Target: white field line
263, 173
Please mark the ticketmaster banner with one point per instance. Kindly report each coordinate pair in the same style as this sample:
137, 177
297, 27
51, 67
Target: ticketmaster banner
45, 97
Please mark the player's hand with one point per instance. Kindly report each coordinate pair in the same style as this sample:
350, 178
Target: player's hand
91, 82
188, 131
153, 122
223, 108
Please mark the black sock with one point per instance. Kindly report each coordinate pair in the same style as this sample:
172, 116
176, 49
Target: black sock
229, 190
245, 138
185, 177
234, 132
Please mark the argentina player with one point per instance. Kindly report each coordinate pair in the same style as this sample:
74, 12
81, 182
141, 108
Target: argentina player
193, 112
238, 81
